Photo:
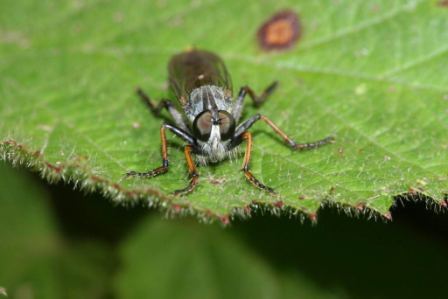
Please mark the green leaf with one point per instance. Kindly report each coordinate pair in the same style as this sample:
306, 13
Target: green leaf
36, 262
370, 72
182, 259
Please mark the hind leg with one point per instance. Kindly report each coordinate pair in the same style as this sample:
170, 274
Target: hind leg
156, 109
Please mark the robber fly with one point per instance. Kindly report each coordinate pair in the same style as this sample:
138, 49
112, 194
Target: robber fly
210, 123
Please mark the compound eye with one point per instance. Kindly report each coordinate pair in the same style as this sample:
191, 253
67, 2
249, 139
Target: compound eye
226, 125
202, 125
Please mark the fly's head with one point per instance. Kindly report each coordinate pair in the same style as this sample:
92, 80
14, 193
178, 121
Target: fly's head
214, 130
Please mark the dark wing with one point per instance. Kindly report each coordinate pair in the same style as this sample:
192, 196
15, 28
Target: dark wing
195, 68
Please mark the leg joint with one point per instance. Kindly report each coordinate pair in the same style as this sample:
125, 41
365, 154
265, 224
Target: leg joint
243, 91
165, 163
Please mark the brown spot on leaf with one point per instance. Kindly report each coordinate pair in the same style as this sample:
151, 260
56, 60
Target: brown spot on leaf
208, 213
443, 3
414, 191
176, 208
278, 204
360, 206
280, 32
54, 168
96, 179
247, 210
224, 219
375, 8
392, 89
388, 216
216, 181
313, 217
118, 17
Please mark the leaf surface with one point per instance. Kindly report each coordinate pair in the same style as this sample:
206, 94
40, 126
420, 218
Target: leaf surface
370, 72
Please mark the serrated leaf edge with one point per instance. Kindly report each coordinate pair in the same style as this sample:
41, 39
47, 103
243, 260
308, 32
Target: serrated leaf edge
83, 178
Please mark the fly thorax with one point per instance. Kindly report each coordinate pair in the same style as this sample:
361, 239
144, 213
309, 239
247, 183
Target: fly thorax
207, 97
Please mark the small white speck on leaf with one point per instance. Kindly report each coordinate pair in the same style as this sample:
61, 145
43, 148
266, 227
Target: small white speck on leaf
392, 89
14, 37
176, 21
363, 52
46, 128
195, 3
136, 125
164, 86
87, 48
412, 4
361, 89
422, 182
118, 17
78, 4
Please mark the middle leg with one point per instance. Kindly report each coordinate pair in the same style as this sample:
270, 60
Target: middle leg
241, 129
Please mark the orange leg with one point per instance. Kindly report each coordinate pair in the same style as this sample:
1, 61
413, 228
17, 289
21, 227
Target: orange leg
194, 176
247, 173
159, 170
292, 143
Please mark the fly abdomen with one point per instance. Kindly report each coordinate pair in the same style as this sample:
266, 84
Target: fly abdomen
192, 69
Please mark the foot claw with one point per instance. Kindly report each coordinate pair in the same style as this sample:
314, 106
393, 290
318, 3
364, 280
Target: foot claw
149, 174
191, 186
313, 145
130, 173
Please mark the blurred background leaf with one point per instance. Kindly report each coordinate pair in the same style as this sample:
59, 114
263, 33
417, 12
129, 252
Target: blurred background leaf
372, 72
56, 242
183, 259
35, 260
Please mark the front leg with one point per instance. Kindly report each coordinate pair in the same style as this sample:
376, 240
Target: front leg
164, 168
257, 100
241, 129
192, 172
247, 136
